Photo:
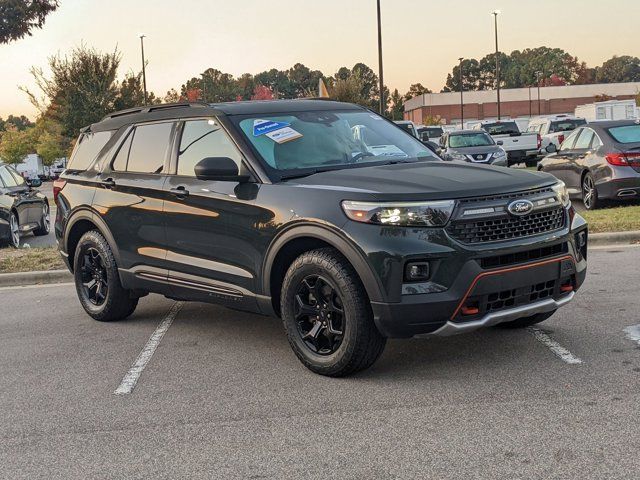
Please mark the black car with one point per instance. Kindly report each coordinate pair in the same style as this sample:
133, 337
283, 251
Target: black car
472, 146
599, 161
22, 208
323, 213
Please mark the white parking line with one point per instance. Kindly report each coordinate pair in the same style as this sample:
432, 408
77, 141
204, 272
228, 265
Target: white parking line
561, 352
131, 377
633, 333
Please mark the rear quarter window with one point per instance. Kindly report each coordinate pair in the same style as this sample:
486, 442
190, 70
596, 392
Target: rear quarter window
625, 134
87, 149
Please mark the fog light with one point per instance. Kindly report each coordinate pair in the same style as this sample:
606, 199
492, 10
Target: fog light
417, 272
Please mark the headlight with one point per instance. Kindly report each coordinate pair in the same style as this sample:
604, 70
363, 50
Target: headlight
457, 156
561, 191
419, 214
499, 154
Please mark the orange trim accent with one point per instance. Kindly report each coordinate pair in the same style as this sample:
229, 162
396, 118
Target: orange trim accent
566, 288
470, 310
506, 270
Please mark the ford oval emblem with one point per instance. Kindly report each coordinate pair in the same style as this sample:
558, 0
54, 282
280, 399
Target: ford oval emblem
520, 207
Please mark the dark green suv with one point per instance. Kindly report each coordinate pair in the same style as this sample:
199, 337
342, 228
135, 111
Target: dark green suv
322, 213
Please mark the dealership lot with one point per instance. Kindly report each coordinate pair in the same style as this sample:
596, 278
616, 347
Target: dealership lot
223, 396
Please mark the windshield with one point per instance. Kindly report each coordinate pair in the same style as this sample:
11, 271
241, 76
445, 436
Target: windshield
430, 132
501, 128
626, 134
566, 125
299, 141
479, 139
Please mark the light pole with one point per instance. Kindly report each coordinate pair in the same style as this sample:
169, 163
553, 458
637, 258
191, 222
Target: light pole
495, 14
530, 101
538, 79
144, 73
461, 97
380, 72
204, 87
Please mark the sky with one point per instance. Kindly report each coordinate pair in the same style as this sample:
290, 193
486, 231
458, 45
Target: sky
422, 39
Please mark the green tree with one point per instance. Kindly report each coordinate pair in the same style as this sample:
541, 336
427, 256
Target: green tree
19, 122
19, 17
349, 90
397, 105
172, 96
415, 90
48, 141
215, 86
278, 81
304, 81
16, 144
619, 69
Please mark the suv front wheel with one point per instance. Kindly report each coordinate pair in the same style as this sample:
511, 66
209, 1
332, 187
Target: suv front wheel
97, 280
327, 315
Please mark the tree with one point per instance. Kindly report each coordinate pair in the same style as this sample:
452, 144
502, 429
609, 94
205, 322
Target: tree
349, 90
278, 81
19, 122
49, 142
19, 17
215, 86
304, 81
172, 96
246, 86
397, 105
15, 145
415, 90
619, 69
262, 92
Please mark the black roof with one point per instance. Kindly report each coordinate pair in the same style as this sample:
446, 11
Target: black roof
465, 132
168, 111
612, 123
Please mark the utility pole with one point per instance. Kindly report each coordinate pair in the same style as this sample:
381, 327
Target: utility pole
204, 87
144, 73
495, 14
538, 78
461, 97
530, 101
380, 70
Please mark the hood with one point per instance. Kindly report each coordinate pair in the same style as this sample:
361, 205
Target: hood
474, 150
426, 181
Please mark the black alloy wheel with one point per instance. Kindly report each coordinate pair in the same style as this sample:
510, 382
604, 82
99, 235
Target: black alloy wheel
93, 274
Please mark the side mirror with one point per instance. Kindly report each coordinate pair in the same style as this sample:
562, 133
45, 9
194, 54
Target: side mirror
551, 148
34, 182
499, 142
220, 169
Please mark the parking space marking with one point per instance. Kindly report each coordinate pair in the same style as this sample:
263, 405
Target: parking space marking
633, 333
131, 377
561, 352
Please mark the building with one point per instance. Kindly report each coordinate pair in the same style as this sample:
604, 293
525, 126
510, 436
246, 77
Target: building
514, 102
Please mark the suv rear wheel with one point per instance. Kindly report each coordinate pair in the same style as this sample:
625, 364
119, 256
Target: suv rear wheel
97, 281
327, 315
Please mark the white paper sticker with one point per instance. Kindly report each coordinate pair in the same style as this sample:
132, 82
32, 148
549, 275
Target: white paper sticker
284, 135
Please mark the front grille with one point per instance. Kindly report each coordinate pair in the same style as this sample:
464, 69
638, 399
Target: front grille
506, 196
523, 257
506, 228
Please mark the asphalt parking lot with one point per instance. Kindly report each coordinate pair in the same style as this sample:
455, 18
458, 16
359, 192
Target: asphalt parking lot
223, 396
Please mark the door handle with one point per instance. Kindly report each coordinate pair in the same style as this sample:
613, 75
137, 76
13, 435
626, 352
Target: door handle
108, 183
180, 191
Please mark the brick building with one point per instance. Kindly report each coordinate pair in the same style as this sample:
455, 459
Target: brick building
514, 102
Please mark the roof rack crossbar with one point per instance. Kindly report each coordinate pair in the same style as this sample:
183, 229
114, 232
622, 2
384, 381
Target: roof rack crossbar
154, 108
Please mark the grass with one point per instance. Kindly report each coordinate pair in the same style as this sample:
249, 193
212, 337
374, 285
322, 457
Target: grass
30, 259
616, 219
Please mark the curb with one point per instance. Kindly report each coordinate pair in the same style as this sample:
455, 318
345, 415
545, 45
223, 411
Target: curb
35, 278
613, 238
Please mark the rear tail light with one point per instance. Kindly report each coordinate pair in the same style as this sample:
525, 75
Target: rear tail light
58, 185
539, 141
622, 159
560, 139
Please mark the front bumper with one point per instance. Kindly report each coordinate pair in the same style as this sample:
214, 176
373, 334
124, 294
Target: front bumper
464, 277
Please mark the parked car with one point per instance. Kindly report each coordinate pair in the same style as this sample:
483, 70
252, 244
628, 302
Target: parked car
472, 146
599, 161
520, 147
430, 133
281, 208
554, 129
22, 208
408, 126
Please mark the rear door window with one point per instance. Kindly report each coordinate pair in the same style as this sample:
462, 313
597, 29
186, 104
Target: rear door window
146, 149
87, 149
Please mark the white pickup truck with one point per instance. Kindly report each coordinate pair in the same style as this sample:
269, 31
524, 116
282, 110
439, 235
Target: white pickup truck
520, 147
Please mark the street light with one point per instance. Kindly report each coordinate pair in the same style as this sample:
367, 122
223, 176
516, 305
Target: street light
461, 97
538, 79
495, 14
380, 73
204, 87
144, 73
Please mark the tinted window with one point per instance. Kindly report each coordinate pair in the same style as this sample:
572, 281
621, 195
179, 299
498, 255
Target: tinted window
202, 139
87, 149
626, 134
584, 140
479, 139
7, 178
120, 162
566, 125
569, 141
149, 148
501, 128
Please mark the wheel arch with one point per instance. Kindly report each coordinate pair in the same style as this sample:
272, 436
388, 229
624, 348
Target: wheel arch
293, 242
80, 223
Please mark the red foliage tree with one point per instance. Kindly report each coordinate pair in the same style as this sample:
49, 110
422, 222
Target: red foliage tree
262, 92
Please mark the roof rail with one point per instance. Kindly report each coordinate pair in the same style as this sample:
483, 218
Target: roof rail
154, 108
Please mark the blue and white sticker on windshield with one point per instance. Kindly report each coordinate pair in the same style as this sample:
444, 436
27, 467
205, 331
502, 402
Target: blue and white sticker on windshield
262, 127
